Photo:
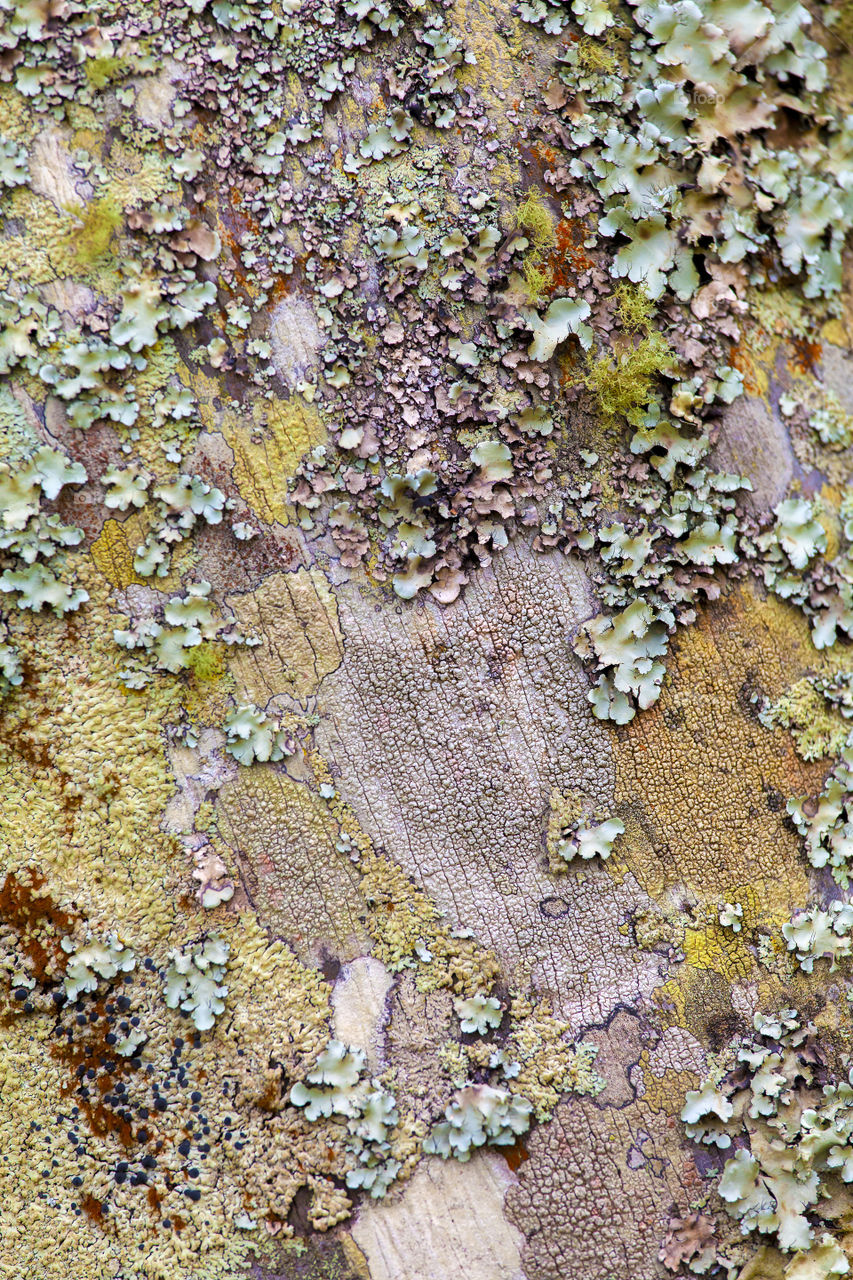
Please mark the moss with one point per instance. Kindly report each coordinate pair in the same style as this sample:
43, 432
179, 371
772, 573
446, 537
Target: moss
207, 662
633, 306
532, 217
593, 55
102, 71
98, 222
624, 384
538, 279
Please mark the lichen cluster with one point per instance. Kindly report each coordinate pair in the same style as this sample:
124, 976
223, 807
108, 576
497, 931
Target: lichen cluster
367, 380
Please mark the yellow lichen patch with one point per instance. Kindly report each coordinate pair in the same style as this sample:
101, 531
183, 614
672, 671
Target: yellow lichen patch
267, 449
42, 253
713, 947
136, 175
84, 774
818, 729
278, 1012
834, 331
701, 783
113, 555
284, 838
664, 1092
114, 548
85, 784
297, 615
208, 392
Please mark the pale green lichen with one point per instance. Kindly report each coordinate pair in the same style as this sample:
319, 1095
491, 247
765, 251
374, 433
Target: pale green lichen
194, 980
478, 1013
826, 823
815, 710
692, 76
251, 734
818, 934
478, 1116
188, 622
799, 1131
94, 960
335, 1088
731, 916
331, 1087
564, 318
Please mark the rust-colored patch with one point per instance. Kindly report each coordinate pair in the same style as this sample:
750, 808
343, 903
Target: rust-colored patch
281, 286
270, 1098
516, 1155
806, 355
546, 156
27, 911
92, 1208
569, 259
91, 1050
741, 359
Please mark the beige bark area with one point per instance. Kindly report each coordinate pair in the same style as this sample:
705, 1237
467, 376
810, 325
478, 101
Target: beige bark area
358, 1004
449, 728
448, 1222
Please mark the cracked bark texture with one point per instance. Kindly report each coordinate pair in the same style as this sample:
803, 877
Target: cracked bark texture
337, 415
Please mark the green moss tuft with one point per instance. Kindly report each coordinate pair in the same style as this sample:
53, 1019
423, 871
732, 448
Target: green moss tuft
624, 385
102, 71
633, 306
99, 221
532, 217
207, 662
593, 55
538, 279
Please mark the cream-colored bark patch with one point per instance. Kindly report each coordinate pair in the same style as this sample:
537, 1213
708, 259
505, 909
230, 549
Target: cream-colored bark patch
358, 1001
448, 1223
155, 94
297, 616
295, 338
50, 170
753, 442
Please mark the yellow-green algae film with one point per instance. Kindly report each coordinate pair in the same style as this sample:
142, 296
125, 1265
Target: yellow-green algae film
426, 605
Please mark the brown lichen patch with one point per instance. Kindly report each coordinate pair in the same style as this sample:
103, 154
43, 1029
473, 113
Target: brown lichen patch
420, 1023
701, 784
594, 1198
